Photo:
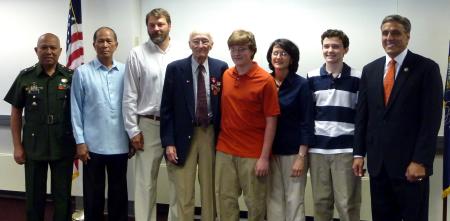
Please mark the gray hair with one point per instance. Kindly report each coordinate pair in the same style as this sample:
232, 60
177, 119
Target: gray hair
200, 32
404, 21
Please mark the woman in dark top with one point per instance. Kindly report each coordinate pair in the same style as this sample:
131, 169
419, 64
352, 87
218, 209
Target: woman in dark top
288, 165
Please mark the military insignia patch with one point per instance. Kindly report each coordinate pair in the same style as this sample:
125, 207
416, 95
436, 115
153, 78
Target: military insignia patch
33, 88
63, 84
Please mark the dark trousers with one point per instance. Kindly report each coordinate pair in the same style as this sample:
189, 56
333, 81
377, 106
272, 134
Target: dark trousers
36, 188
94, 187
396, 199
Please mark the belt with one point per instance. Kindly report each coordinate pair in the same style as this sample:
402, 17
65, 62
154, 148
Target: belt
197, 124
50, 119
153, 117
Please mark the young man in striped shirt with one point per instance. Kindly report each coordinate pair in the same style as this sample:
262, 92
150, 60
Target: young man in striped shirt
335, 90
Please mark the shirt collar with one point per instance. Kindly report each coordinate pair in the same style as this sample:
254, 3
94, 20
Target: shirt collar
398, 59
250, 73
290, 78
346, 70
97, 65
40, 71
156, 47
195, 64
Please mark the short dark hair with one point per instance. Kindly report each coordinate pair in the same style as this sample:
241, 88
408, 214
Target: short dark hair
158, 13
330, 33
290, 48
404, 21
104, 27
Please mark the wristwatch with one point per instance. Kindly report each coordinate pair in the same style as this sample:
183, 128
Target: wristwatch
301, 155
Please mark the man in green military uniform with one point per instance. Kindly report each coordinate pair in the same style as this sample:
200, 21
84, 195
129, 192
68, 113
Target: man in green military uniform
43, 91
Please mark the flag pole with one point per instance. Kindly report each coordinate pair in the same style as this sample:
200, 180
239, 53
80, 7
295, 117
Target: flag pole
74, 54
444, 209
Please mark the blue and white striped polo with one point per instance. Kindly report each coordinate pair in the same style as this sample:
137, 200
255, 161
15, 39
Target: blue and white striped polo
335, 103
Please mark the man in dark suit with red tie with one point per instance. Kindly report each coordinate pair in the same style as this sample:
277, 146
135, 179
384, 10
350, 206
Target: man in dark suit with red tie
190, 121
398, 117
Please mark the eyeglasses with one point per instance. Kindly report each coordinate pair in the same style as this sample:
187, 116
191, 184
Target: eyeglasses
238, 49
279, 53
197, 42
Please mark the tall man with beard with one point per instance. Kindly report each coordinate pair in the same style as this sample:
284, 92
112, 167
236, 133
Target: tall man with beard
143, 83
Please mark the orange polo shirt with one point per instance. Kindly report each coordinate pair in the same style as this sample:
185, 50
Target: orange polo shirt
246, 102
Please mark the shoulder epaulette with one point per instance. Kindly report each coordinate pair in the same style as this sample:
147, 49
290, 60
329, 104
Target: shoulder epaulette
29, 69
65, 69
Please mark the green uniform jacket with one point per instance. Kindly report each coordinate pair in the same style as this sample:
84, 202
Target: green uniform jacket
47, 130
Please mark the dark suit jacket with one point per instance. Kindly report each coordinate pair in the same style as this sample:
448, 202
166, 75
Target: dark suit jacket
406, 129
178, 104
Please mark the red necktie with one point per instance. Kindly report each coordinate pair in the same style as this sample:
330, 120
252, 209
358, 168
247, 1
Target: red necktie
201, 112
388, 82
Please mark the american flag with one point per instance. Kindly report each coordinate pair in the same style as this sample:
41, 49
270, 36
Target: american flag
74, 43
74, 50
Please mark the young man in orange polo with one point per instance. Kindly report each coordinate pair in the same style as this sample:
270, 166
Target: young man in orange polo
249, 115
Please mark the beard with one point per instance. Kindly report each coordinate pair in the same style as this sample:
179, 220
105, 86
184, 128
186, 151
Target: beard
158, 38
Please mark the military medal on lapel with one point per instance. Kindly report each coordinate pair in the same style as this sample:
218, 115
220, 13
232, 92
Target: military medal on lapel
63, 84
215, 85
33, 88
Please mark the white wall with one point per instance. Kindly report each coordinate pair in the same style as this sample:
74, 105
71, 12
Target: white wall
23, 21
302, 21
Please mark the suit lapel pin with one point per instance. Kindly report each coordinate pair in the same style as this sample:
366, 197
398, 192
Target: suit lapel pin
187, 81
406, 69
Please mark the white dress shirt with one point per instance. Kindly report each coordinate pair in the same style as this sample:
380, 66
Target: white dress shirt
143, 83
398, 62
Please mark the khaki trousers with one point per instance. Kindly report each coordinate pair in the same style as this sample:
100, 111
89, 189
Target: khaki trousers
147, 164
285, 194
234, 176
201, 153
333, 182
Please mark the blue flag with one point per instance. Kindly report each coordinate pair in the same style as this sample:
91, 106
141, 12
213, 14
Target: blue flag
446, 176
